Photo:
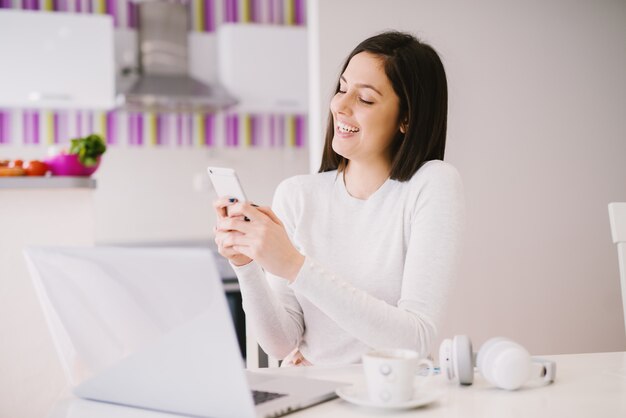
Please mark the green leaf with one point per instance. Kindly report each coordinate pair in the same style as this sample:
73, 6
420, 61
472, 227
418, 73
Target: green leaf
88, 149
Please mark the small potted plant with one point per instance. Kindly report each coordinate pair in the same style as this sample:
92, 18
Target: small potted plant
82, 159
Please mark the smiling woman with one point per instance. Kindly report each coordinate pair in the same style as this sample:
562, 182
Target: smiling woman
361, 255
365, 112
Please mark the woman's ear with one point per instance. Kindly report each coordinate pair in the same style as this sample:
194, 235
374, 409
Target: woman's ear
403, 126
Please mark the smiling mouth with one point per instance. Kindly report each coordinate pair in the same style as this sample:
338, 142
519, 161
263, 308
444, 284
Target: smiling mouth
346, 129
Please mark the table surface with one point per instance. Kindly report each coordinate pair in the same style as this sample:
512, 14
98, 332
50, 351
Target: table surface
587, 385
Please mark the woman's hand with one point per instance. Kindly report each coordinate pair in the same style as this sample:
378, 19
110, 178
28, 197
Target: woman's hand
223, 238
257, 233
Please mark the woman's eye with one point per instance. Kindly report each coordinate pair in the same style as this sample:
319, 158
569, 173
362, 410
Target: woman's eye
365, 101
341, 91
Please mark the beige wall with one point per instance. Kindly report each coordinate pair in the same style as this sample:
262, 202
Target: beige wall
164, 195
537, 128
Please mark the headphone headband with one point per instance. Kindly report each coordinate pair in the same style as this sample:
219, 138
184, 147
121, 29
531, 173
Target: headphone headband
544, 369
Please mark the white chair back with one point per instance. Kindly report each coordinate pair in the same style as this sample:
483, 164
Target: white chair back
617, 216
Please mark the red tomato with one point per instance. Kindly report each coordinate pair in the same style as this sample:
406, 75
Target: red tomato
36, 168
16, 163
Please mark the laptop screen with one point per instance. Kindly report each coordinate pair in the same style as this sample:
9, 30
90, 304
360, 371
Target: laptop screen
141, 326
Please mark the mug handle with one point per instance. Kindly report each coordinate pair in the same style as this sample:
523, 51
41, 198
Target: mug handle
430, 369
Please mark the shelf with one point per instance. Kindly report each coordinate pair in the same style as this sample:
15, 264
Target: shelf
58, 182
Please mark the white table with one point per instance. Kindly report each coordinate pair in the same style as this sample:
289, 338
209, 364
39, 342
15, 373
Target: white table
588, 385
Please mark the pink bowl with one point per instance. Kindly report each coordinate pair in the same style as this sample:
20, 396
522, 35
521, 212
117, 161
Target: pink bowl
69, 165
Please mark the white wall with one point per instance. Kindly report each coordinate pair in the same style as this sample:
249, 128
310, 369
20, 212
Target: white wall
537, 128
164, 195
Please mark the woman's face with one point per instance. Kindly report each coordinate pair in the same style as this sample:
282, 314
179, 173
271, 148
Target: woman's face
365, 111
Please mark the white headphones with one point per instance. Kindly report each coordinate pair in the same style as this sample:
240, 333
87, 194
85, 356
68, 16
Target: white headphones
502, 362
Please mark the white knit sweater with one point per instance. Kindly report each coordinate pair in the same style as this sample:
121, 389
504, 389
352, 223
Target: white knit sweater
376, 272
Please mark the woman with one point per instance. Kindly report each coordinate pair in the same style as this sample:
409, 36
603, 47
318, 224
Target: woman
361, 255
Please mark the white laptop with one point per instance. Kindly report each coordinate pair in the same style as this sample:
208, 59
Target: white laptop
150, 327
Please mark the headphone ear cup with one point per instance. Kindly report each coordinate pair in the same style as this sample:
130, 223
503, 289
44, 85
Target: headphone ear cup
463, 359
485, 354
504, 363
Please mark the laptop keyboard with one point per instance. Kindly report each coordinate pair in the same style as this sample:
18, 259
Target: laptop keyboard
260, 396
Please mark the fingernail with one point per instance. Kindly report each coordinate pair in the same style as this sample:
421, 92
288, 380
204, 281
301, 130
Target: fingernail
232, 200
245, 218
252, 204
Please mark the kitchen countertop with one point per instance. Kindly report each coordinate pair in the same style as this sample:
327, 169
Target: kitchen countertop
47, 182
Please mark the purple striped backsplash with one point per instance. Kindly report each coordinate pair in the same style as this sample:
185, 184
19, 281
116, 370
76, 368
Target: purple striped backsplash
270, 11
280, 13
189, 129
160, 134
281, 130
300, 131
260, 11
234, 133
30, 4
111, 128
272, 130
299, 8
5, 120
79, 124
59, 5
209, 16
179, 129
209, 130
133, 16
139, 128
90, 117
230, 11
135, 129
230, 129
119, 127
111, 9
255, 12
31, 127
56, 130
255, 130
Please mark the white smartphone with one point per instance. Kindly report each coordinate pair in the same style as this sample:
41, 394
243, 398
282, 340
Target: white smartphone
226, 183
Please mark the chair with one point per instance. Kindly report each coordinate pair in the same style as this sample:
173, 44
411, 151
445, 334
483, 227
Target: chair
617, 216
255, 356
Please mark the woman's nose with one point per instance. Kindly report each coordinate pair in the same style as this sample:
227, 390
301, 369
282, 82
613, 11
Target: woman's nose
341, 104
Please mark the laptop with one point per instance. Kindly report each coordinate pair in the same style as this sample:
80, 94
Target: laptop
150, 327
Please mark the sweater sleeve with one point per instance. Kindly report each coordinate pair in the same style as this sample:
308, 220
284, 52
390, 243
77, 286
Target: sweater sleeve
269, 303
430, 266
271, 310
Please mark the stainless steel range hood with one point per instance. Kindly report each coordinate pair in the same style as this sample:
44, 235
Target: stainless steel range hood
163, 82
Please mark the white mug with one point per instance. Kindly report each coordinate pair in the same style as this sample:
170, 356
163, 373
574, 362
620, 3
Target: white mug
390, 375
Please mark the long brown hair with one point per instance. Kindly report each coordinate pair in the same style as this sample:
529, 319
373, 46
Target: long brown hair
419, 80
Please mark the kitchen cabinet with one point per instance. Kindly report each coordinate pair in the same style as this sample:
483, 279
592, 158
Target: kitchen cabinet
35, 211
